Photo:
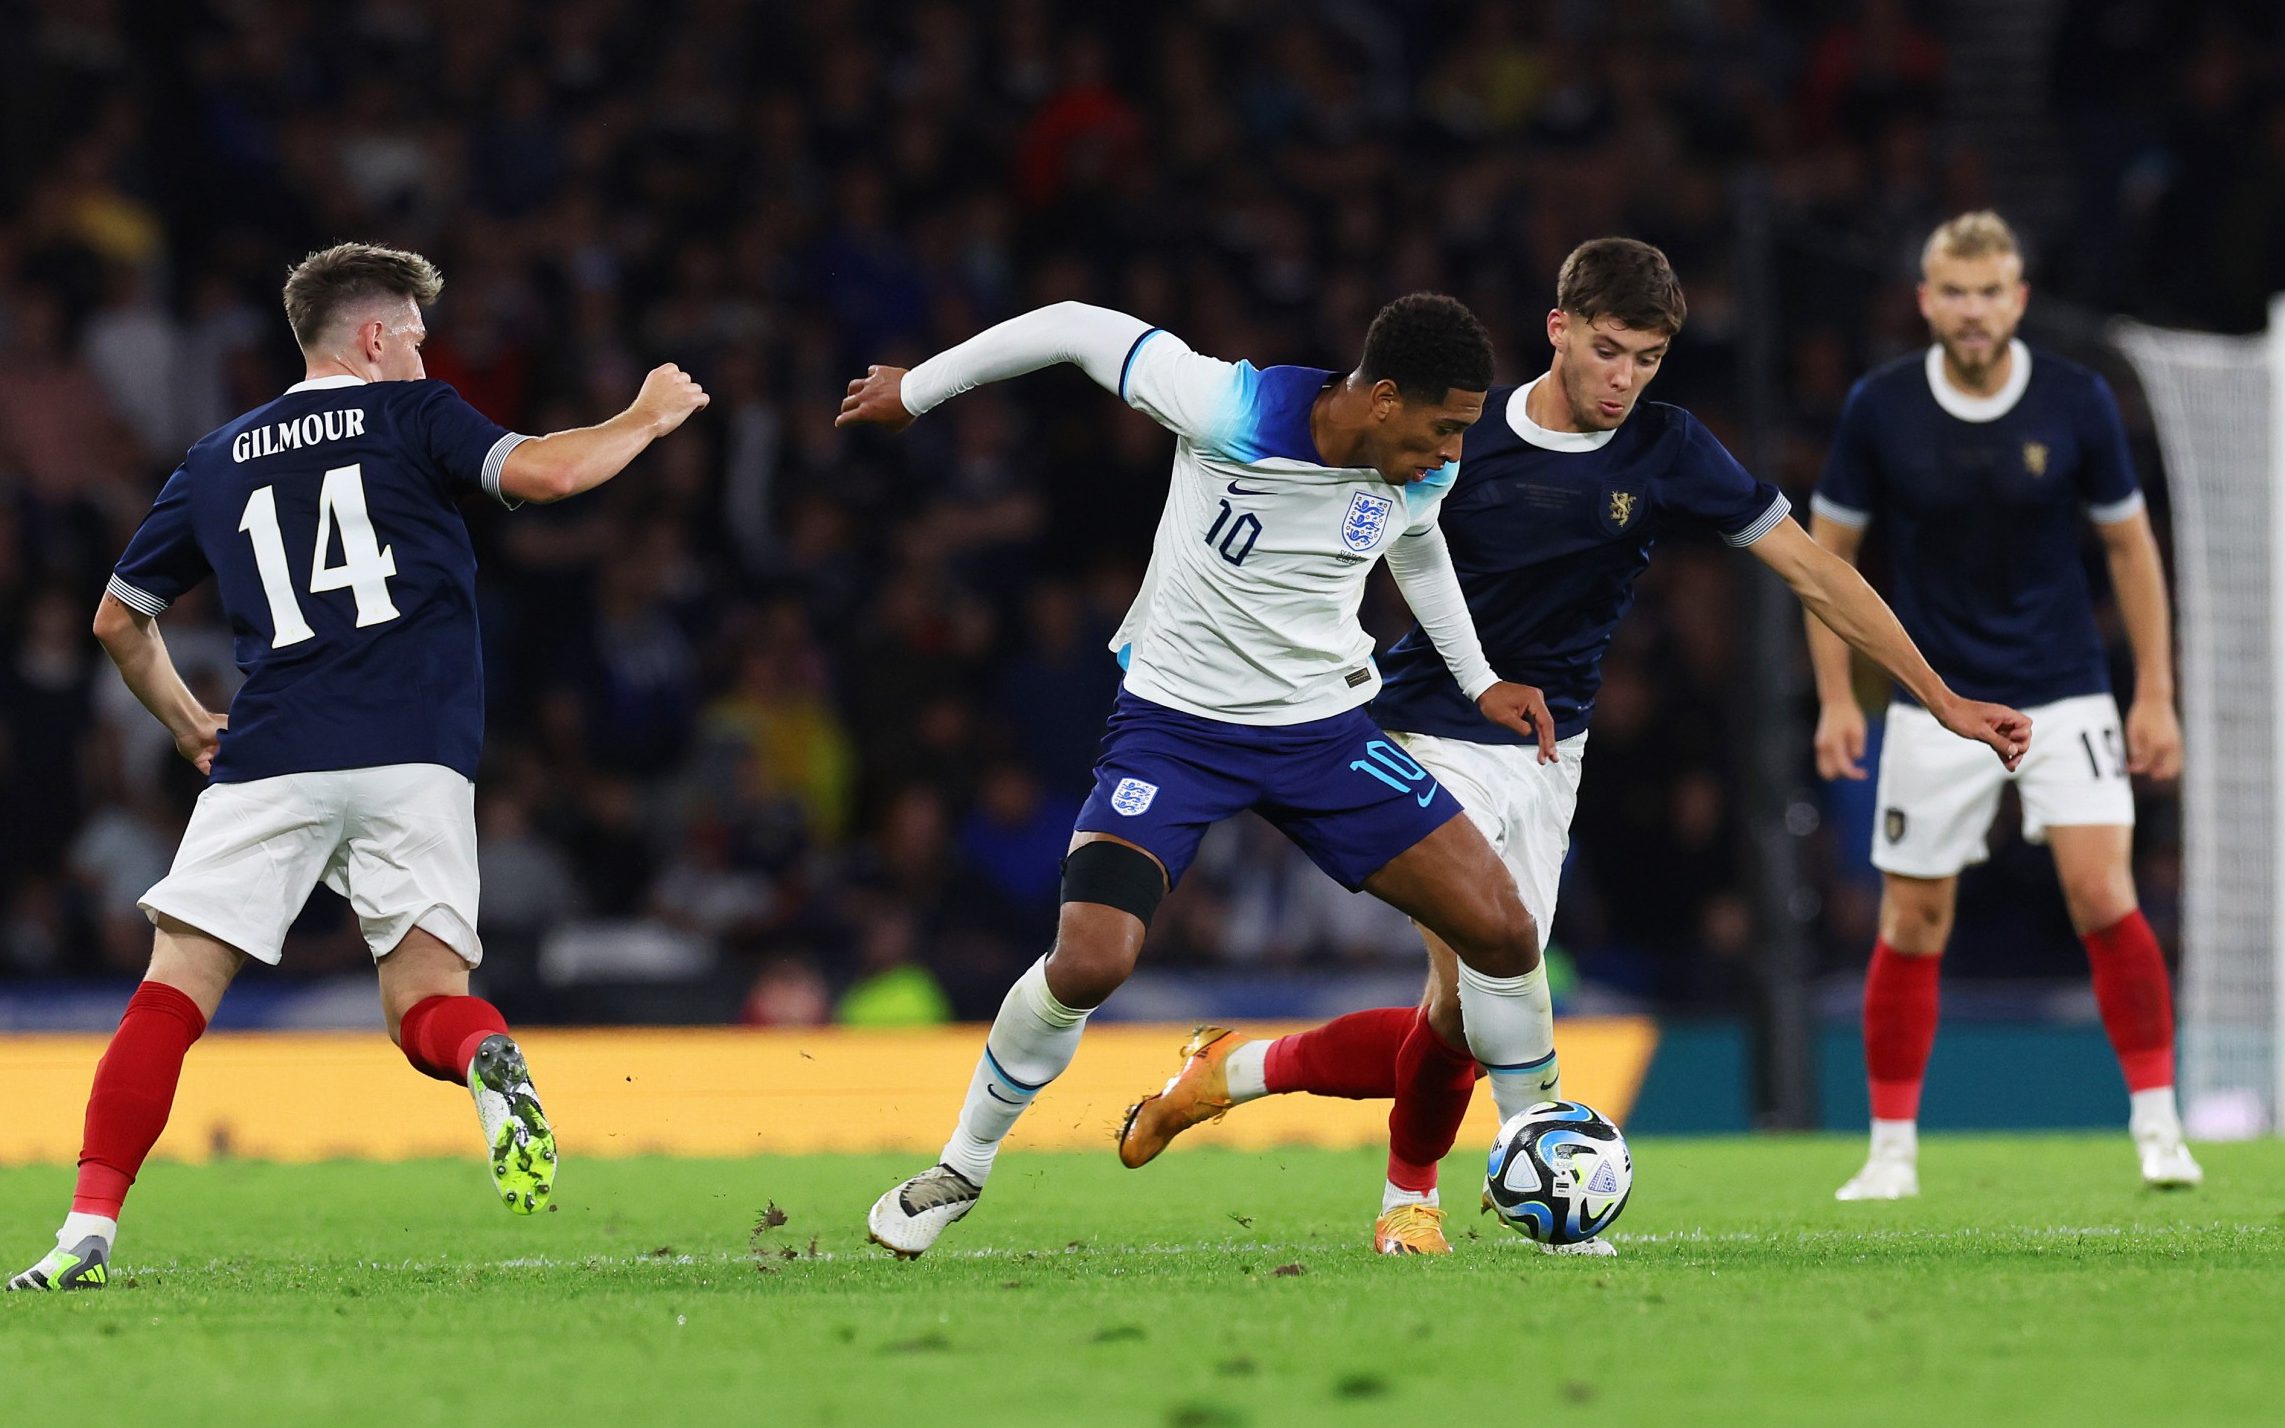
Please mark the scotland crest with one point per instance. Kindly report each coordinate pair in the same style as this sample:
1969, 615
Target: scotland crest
1367, 520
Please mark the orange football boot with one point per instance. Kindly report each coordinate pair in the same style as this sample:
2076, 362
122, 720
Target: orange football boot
1200, 1091
1410, 1229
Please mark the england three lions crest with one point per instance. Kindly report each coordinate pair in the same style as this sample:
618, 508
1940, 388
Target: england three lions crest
1367, 520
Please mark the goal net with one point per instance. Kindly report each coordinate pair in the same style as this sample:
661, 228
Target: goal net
2219, 407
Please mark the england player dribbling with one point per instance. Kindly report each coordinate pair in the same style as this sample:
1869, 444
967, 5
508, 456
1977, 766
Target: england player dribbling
1979, 457
1247, 674
329, 521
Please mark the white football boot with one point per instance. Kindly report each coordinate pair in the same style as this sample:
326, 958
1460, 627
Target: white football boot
1595, 1248
1883, 1178
907, 1220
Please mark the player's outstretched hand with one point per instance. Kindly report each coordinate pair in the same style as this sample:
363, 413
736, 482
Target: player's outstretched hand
1840, 740
203, 740
1523, 708
2154, 739
876, 399
668, 397
2006, 731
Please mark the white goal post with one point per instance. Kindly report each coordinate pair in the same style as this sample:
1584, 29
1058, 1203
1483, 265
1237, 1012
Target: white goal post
2219, 407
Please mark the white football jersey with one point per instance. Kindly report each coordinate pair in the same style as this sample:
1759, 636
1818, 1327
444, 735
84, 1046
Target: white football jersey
1249, 611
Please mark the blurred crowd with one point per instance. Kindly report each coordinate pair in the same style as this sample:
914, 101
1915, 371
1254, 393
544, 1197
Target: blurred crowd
789, 724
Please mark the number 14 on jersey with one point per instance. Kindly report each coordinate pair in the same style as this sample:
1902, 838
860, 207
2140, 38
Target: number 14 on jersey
365, 567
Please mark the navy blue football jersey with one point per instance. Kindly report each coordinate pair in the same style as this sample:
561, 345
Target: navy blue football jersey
330, 521
1549, 531
1981, 500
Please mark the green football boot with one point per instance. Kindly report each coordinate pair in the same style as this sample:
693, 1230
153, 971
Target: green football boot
86, 1265
522, 1143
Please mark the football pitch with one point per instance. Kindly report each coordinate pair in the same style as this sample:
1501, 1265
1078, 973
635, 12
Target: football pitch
2033, 1283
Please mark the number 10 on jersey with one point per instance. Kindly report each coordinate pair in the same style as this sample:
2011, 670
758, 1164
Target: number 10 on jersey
365, 567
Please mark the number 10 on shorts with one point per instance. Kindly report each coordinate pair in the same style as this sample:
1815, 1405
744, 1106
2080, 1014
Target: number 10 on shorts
1396, 768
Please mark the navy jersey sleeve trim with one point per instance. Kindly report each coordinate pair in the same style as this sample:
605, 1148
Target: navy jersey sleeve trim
496, 462
1763, 524
1838, 514
1129, 364
2112, 513
134, 599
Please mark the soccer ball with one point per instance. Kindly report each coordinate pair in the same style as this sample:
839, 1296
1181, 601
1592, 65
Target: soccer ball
1559, 1173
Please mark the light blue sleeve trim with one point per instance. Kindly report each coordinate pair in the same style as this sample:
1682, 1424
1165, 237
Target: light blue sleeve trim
2116, 511
1237, 430
1838, 514
1763, 524
1126, 654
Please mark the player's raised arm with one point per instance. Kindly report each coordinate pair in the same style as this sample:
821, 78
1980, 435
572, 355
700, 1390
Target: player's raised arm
1831, 590
565, 463
1146, 367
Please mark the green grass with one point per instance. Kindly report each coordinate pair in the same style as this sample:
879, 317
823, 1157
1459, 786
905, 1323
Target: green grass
2034, 1283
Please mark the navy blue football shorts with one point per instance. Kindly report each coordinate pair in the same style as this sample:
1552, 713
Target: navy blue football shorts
1344, 792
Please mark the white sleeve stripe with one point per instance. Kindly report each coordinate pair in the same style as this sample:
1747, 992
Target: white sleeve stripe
134, 599
1838, 514
2116, 511
496, 461
1763, 524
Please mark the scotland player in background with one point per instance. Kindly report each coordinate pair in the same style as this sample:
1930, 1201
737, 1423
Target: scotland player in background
329, 520
1978, 458
1567, 484
1247, 674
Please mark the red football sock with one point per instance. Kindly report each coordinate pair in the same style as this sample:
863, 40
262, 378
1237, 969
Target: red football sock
1900, 999
1351, 1056
1433, 1084
2136, 1001
440, 1035
134, 1090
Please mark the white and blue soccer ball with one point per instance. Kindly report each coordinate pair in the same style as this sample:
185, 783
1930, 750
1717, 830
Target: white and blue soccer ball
1559, 1173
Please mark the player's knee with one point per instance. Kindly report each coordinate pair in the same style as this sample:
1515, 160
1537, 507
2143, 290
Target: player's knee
1503, 940
2097, 900
1086, 966
1916, 919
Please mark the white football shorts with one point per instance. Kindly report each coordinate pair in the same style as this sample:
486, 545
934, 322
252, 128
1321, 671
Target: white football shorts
398, 841
1522, 806
1938, 792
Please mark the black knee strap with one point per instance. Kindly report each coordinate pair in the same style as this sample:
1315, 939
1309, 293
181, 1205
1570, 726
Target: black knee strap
1115, 875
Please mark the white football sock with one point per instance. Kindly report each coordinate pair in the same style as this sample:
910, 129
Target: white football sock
1896, 1140
1031, 1042
1393, 1195
78, 1226
1511, 1031
1247, 1072
2153, 1113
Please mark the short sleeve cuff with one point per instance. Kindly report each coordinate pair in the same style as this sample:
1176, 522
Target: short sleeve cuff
135, 599
1763, 524
496, 462
2116, 511
1838, 514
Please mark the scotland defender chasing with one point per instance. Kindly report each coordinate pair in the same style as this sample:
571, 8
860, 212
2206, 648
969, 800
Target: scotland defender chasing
329, 521
1980, 458
1247, 674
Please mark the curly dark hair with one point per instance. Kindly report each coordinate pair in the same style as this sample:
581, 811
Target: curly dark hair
1428, 344
1623, 279
331, 279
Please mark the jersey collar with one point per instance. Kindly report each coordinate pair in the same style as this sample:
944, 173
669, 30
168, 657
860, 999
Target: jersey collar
326, 384
1979, 409
1519, 420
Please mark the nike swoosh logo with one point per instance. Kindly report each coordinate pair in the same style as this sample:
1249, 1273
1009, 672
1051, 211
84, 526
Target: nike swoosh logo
1237, 490
1003, 1100
1429, 797
1549, 1083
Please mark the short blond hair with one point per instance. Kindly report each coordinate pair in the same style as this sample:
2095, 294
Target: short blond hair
1980, 234
326, 283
